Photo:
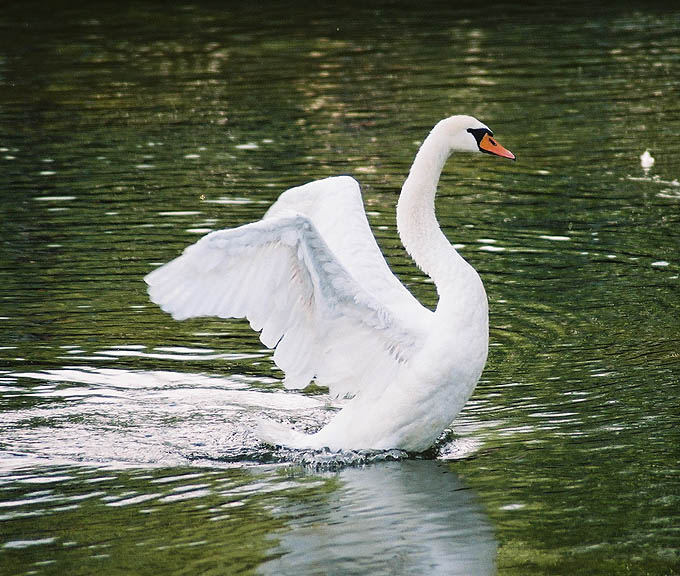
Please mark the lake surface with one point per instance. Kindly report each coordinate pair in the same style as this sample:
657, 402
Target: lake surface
128, 132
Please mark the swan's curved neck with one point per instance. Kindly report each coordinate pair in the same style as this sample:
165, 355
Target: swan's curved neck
416, 221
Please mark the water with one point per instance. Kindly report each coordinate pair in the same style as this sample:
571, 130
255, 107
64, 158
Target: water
126, 441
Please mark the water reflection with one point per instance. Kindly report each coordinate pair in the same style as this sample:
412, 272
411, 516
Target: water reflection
411, 517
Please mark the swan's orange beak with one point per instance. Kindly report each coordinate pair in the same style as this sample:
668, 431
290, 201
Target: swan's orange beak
489, 145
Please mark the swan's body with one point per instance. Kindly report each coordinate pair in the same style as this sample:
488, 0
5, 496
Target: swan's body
312, 279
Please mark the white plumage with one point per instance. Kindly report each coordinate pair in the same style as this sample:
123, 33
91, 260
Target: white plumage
646, 160
310, 277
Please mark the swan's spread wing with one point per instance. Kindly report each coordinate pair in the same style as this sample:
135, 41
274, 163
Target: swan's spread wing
335, 207
281, 275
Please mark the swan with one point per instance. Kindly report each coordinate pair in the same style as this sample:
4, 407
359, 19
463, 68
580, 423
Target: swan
311, 279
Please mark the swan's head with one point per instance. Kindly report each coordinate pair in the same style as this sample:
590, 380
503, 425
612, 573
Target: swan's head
467, 134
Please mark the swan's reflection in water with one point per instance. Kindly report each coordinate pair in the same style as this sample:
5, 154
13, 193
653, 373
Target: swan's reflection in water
403, 517
408, 517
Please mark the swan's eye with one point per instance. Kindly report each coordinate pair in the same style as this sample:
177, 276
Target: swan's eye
479, 133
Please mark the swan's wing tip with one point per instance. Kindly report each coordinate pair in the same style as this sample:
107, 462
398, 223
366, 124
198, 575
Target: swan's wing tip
150, 277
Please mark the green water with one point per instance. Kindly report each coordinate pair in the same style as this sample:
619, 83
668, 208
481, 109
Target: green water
127, 132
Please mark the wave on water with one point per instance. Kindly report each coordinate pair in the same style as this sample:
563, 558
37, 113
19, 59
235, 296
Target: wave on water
122, 418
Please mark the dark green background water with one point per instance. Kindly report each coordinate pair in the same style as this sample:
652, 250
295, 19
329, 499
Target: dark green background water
128, 131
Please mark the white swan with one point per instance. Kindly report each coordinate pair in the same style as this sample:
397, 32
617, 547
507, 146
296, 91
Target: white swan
312, 279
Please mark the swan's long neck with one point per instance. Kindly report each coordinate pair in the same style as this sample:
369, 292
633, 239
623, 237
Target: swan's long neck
417, 224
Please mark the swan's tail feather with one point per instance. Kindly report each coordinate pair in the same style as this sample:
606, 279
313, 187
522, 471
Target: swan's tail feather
277, 434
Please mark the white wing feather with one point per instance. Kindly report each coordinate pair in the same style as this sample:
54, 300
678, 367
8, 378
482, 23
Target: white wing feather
335, 207
281, 275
